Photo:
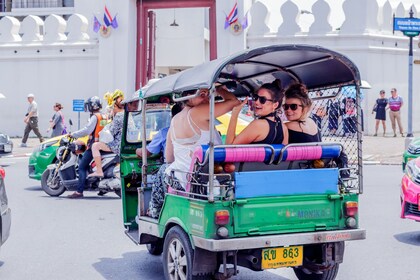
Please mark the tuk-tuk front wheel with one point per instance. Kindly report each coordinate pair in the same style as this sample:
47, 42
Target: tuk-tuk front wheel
330, 274
178, 255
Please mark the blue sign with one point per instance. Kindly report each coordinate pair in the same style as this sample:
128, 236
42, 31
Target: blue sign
407, 24
78, 105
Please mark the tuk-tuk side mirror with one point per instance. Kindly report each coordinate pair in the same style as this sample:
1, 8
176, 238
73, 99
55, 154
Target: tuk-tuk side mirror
70, 122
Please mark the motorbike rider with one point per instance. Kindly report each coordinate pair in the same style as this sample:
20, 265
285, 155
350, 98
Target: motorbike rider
115, 128
93, 127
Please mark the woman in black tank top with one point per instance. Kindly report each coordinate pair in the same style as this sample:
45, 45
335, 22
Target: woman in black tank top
297, 106
267, 128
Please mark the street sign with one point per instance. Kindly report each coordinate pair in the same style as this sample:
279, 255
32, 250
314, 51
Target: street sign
78, 105
411, 33
407, 24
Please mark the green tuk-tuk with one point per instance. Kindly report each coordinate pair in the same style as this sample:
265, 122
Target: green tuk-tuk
275, 206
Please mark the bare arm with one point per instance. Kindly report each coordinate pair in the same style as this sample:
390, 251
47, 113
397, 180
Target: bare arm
252, 133
139, 152
201, 113
285, 134
231, 131
169, 150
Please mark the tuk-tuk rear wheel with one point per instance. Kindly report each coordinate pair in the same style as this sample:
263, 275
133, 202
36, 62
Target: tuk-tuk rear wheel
329, 274
178, 255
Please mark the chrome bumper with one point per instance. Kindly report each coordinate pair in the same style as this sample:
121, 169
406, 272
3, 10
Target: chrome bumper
281, 240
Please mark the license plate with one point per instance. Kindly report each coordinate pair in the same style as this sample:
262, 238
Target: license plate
282, 257
7, 148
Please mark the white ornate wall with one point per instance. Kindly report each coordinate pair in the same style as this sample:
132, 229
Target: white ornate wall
365, 36
60, 60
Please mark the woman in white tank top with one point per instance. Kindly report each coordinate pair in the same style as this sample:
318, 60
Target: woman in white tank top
191, 128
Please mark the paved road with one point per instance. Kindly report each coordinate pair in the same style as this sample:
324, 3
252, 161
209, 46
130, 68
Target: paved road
57, 238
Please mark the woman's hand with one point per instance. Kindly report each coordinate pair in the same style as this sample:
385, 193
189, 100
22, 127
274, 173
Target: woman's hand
237, 109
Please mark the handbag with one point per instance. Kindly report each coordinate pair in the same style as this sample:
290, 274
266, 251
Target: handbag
105, 135
375, 108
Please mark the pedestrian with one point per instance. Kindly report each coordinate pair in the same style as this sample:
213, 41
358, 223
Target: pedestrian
333, 112
57, 124
349, 116
395, 102
31, 120
379, 109
319, 111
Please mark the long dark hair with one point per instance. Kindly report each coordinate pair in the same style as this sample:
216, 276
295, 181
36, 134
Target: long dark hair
275, 91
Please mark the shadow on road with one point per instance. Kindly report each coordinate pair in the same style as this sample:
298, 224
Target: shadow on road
411, 238
142, 265
33, 188
134, 265
109, 196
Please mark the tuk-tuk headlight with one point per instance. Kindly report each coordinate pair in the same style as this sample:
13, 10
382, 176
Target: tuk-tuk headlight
44, 145
59, 153
413, 149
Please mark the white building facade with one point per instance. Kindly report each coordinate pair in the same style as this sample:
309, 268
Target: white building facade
53, 52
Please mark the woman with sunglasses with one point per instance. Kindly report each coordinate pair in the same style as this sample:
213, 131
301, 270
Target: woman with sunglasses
297, 107
268, 127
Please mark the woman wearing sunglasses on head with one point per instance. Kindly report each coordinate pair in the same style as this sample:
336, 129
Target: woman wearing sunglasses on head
297, 107
268, 127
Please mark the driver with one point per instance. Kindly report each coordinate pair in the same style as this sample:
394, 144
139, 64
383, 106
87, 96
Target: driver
93, 127
158, 142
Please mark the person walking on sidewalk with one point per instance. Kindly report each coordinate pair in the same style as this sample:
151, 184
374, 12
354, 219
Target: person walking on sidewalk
380, 110
57, 124
395, 102
31, 120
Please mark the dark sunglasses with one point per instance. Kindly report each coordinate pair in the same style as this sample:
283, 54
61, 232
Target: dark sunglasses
262, 99
292, 107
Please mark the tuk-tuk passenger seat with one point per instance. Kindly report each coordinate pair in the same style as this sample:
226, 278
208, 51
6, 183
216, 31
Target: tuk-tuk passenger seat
275, 165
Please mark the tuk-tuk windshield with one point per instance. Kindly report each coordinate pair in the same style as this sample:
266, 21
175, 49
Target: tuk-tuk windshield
155, 121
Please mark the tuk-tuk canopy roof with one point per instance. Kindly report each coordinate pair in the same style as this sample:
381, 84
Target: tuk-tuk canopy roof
314, 66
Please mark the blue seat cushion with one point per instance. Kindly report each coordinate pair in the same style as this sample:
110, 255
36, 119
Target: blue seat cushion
286, 182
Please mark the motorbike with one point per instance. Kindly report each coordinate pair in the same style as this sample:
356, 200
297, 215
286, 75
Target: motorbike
63, 175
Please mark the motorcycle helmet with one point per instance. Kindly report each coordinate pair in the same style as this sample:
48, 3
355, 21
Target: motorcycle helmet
93, 104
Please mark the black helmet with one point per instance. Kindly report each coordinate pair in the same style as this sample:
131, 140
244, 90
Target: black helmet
93, 104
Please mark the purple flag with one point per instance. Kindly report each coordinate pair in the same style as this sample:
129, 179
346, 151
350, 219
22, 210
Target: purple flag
96, 24
114, 22
244, 21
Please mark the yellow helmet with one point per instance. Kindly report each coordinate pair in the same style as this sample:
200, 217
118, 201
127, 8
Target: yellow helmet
117, 93
110, 97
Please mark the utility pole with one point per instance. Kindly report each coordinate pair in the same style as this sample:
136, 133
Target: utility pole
410, 28
410, 84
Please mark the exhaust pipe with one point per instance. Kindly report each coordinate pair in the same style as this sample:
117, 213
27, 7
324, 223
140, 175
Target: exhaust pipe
249, 261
